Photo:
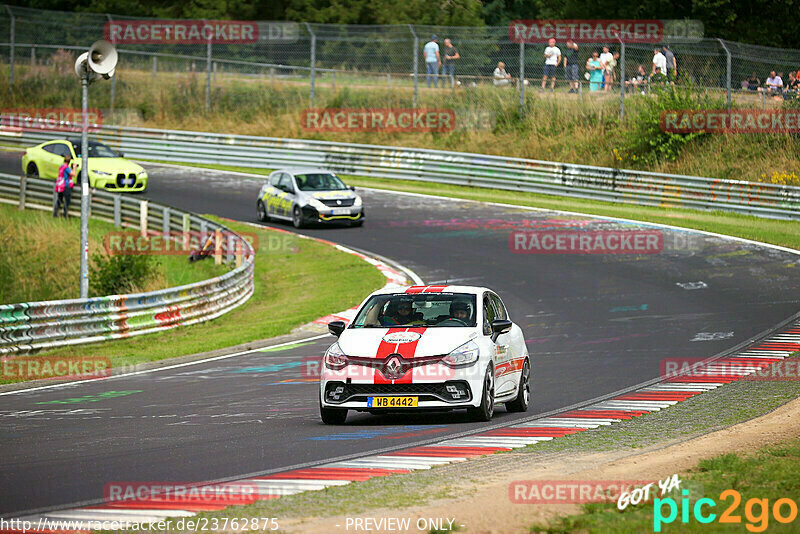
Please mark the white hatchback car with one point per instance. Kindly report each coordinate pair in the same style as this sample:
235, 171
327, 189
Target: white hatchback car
426, 348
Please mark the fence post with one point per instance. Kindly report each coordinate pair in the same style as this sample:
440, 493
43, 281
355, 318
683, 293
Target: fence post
12, 52
229, 249
333, 80
33, 56
416, 64
143, 218
217, 247
23, 189
621, 80
155, 66
187, 228
238, 253
208, 76
166, 215
313, 59
117, 211
215, 72
521, 77
727, 73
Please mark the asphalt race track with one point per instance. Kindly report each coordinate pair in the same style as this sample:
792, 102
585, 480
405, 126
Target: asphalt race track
594, 324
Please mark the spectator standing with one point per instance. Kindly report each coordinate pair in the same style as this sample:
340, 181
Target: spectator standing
571, 65
501, 77
753, 82
604, 58
64, 185
774, 83
672, 64
449, 60
552, 58
433, 60
595, 69
610, 71
659, 63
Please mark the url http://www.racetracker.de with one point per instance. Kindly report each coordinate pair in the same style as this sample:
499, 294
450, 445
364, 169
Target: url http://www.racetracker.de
200, 524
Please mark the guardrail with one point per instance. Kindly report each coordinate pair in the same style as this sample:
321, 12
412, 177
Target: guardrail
33, 326
458, 168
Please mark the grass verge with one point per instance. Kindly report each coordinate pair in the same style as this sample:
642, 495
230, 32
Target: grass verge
292, 287
33, 242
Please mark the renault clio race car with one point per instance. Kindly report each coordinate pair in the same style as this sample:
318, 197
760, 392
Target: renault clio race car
107, 169
426, 348
305, 196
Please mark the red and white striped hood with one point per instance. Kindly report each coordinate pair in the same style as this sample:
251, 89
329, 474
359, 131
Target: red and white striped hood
409, 342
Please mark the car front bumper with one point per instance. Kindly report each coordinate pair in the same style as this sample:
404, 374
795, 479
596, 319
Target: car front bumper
311, 215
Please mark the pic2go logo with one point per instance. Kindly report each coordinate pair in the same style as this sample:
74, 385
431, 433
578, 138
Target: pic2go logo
756, 511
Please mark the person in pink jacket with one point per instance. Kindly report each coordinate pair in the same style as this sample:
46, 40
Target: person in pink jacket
64, 187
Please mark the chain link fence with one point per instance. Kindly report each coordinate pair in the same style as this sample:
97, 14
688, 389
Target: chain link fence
305, 65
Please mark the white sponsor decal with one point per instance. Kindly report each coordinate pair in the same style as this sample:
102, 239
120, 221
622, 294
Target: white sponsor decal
401, 337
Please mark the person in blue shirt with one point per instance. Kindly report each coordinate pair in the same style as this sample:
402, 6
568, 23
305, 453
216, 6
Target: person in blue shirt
433, 60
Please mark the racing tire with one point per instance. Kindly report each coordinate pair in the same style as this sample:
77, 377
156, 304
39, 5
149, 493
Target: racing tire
332, 416
261, 212
32, 170
297, 217
484, 412
523, 398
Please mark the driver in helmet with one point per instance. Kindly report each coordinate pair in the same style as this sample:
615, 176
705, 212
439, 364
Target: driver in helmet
402, 313
459, 310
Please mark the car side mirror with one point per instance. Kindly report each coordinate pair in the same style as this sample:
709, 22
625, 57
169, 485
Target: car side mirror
352, 188
336, 328
121, 154
499, 327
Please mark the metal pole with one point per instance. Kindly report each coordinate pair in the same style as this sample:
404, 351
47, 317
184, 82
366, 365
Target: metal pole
333, 81
208, 76
113, 79
521, 78
12, 53
728, 73
313, 59
622, 81
155, 66
33, 56
85, 186
416, 63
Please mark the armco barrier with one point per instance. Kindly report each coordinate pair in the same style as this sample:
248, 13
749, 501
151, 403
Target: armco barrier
517, 174
39, 325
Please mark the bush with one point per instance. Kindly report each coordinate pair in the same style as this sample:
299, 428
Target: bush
115, 275
647, 141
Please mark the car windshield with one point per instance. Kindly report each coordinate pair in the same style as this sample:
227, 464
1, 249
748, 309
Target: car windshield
417, 309
319, 182
96, 150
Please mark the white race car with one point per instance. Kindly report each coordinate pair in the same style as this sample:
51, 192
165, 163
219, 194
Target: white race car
426, 348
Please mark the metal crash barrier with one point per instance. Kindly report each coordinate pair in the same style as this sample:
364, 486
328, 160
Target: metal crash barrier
457, 168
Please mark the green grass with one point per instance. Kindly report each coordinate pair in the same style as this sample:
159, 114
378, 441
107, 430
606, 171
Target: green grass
293, 286
41, 258
771, 474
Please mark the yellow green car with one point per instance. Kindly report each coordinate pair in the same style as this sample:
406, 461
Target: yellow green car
107, 169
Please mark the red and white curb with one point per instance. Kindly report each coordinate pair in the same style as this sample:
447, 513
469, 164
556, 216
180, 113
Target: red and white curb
639, 402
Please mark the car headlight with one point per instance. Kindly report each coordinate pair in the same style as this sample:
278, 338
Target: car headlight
466, 354
357, 203
101, 173
335, 358
316, 204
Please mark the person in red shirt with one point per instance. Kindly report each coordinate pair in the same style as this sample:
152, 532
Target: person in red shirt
64, 186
